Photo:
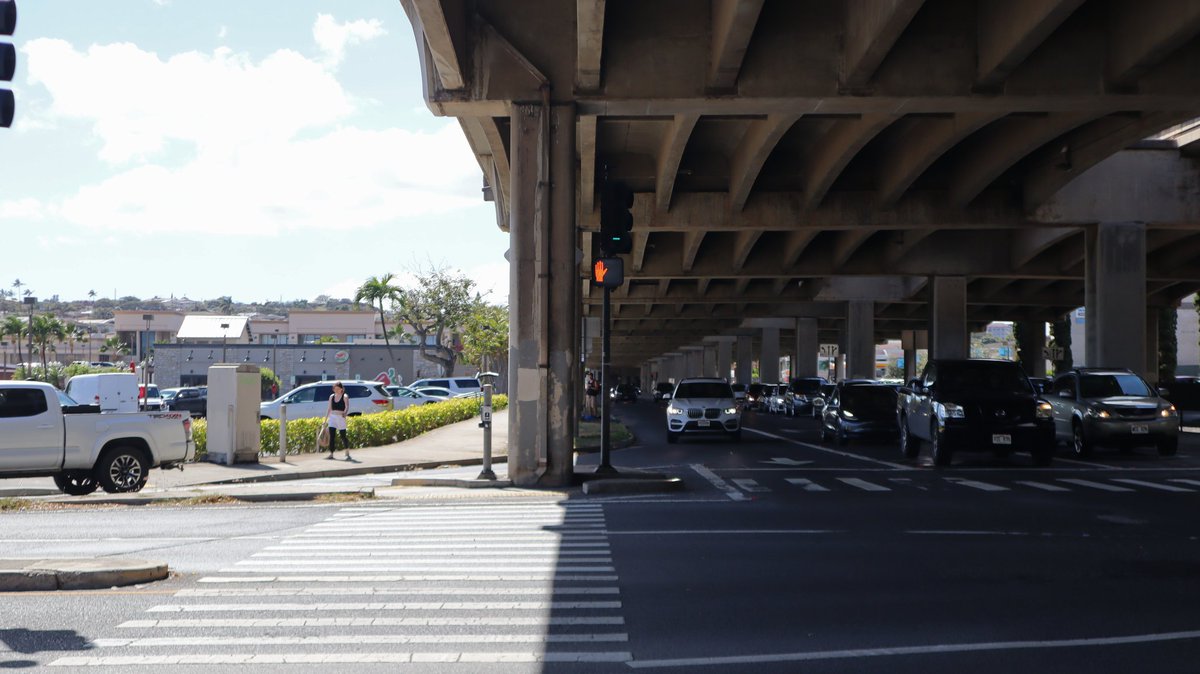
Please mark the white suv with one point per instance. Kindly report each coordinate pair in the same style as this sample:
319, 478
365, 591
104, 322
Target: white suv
705, 405
312, 400
456, 385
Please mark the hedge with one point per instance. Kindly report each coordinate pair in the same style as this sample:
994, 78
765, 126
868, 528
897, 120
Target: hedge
371, 430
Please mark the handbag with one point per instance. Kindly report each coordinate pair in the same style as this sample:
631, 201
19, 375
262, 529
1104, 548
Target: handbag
323, 436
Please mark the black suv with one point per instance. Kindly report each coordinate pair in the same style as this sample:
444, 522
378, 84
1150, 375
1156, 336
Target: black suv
975, 405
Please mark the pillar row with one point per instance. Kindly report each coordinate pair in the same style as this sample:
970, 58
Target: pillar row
724, 357
768, 361
1116, 326
948, 337
745, 359
860, 338
807, 348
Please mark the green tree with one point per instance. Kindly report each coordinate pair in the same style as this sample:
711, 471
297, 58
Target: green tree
439, 304
376, 291
114, 346
15, 328
46, 330
485, 337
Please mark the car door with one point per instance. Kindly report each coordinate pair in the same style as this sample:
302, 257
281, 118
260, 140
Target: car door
922, 411
302, 403
1063, 394
31, 433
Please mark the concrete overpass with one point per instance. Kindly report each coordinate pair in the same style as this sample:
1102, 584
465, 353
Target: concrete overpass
812, 171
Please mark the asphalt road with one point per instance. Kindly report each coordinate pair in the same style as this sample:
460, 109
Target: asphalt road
784, 555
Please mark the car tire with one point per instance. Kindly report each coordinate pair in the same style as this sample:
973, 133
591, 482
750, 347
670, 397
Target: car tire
910, 446
122, 470
1080, 445
672, 437
1168, 446
942, 455
75, 483
842, 438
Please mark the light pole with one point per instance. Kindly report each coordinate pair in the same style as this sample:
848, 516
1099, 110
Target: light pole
224, 334
485, 422
274, 355
144, 347
30, 300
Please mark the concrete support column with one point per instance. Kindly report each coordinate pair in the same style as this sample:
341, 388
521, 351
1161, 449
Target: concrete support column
804, 363
768, 360
679, 367
1117, 263
724, 358
1152, 346
948, 335
1091, 328
911, 341
1032, 348
710, 360
745, 359
695, 363
542, 280
860, 338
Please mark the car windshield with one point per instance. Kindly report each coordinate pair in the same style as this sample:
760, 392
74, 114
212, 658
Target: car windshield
703, 390
738, 388
168, 394
664, 388
982, 378
65, 400
868, 399
1107, 385
806, 385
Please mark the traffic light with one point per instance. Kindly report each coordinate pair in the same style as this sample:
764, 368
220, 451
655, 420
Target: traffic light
8, 60
616, 220
608, 272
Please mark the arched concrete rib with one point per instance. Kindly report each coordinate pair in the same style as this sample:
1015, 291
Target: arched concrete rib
916, 151
743, 246
836, 150
1027, 244
589, 43
1144, 32
733, 23
757, 144
872, 28
1009, 30
691, 247
669, 156
587, 163
441, 44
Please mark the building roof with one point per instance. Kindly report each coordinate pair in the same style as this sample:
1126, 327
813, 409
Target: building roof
209, 327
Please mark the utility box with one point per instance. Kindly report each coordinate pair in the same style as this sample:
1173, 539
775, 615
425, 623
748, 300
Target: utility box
234, 392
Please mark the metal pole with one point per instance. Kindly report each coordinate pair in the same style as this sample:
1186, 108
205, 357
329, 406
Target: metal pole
485, 415
605, 466
283, 433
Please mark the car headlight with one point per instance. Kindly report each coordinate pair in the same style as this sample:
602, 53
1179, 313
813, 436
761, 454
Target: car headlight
848, 414
949, 411
1103, 414
674, 411
730, 410
1044, 410
1168, 411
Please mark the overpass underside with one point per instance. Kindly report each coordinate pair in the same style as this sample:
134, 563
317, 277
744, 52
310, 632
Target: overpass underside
822, 172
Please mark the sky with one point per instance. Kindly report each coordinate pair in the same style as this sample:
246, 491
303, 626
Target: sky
261, 150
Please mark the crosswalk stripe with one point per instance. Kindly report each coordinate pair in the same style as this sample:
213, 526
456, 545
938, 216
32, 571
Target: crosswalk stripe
511, 621
863, 484
1153, 485
1094, 485
808, 485
394, 606
598, 555
362, 639
337, 658
273, 567
1042, 485
305, 545
1195, 483
483, 590
975, 484
749, 485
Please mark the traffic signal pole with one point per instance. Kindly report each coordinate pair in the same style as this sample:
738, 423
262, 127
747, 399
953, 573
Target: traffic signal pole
605, 467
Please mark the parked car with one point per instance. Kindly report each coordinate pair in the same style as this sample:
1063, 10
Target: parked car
438, 392
859, 410
1095, 406
663, 390
754, 396
626, 392
739, 393
455, 385
43, 432
801, 393
149, 397
109, 391
817, 400
192, 399
974, 405
776, 396
403, 397
312, 400
703, 405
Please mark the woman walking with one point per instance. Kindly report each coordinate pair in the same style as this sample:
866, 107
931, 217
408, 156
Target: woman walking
335, 416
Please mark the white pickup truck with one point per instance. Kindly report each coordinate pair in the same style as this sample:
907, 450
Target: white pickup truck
45, 433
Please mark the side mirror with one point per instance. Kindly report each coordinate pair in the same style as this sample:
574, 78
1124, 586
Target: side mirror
1164, 392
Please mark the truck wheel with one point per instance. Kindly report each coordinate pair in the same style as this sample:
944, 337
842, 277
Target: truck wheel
1079, 442
942, 455
910, 446
122, 470
75, 484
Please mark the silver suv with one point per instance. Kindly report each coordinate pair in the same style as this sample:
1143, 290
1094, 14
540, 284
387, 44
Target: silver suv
703, 405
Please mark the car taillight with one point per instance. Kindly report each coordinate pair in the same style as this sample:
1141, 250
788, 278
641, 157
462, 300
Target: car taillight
382, 402
187, 428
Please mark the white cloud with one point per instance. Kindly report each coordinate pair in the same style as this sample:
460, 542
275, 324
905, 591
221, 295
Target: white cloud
333, 37
223, 32
22, 209
491, 280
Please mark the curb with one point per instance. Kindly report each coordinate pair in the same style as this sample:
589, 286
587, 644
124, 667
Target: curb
77, 574
263, 497
632, 486
18, 492
358, 470
450, 482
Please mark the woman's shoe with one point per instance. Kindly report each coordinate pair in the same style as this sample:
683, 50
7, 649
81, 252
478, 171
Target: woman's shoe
329, 457
347, 456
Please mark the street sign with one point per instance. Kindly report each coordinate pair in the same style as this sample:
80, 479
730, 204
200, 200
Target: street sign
1053, 352
829, 350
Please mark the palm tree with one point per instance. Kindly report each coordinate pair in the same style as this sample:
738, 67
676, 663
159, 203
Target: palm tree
15, 327
92, 297
46, 330
82, 336
115, 346
374, 291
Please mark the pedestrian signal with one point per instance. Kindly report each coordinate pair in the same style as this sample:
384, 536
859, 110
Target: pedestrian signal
608, 272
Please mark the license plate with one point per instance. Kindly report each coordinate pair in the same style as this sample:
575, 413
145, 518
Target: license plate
1001, 439
1140, 429
704, 423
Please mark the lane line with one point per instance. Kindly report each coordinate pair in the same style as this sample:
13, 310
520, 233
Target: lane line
915, 650
379, 592
1094, 485
889, 464
394, 606
1195, 483
974, 484
748, 485
337, 658
1153, 485
863, 484
808, 485
542, 621
717, 482
403, 578
1042, 485
362, 639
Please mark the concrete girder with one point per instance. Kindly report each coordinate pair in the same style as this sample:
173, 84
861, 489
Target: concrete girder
849, 241
922, 146
428, 14
795, 245
739, 287
903, 241
1010, 141
1153, 186
836, 149
759, 141
702, 287
742, 247
641, 239
589, 41
669, 156
692, 241
587, 164
1009, 30
872, 28
1029, 243
1143, 32
733, 24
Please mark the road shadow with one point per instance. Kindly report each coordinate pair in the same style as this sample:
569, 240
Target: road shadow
26, 641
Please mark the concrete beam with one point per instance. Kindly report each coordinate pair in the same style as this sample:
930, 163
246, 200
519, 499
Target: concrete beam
757, 144
922, 146
440, 42
876, 288
795, 245
848, 242
1027, 244
733, 23
669, 156
742, 247
589, 42
587, 163
1144, 32
691, 247
1009, 30
835, 150
1152, 185
872, 28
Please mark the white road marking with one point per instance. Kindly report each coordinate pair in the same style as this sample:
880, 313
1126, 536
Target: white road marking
863, 484
1042, 485
982, 486
465, 551
338, 658
393, 606
808, 485
1094, 485
542, 621
273, 566
717, 482
579, 548
784, 461
546, 576
915, 650
1153, 485
1089, 464
963, 532
849, 455
362, 639
1195, 483
376, 592
749, 485
907, 482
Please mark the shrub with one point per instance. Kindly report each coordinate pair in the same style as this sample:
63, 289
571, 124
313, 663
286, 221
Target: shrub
372, 430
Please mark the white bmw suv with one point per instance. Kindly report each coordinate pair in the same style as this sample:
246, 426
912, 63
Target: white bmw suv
704, 405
